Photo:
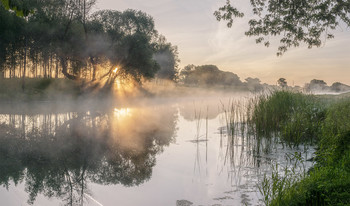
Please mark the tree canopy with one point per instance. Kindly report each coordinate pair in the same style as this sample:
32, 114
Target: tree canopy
208, 75
282, 82
21, 8
293, 21
63, 38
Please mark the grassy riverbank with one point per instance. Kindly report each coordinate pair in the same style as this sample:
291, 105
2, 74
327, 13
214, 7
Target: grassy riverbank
307, 119
38, 89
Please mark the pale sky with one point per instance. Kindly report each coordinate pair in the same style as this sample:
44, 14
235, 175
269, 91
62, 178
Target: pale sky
190, 25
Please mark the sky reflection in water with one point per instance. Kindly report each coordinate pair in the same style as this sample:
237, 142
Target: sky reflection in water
152, 155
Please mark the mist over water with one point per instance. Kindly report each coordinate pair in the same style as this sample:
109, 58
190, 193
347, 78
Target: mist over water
155, 151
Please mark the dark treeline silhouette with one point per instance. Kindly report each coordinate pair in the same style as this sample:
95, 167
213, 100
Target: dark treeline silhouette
212, 76
64, 39
56, 155
317, 85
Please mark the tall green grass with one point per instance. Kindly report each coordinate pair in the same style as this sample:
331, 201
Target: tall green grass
294, 117
299, 118
283, 178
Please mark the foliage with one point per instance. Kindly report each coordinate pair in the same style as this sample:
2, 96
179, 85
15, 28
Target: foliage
282, 82
339, 87
21, 8
295, 22
328, 182
63, 38
208, 75
253, 84
166, 56
282, 179
294, 116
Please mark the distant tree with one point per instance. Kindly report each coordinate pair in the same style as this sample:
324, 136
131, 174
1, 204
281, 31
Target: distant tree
208, 75
282, 82
295, 22
185, 74
340, 87
253, 84
318, 82
316, 85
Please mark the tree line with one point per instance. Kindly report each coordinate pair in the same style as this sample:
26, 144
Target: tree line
212, 76
63, 38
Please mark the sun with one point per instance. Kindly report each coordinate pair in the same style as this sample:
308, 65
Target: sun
115, 70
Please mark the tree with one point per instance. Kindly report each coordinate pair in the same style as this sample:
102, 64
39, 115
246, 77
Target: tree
21, 8
208, 75
166, 56
295, 22
129, 37
282, 82
253, 84
316, 85
64, 34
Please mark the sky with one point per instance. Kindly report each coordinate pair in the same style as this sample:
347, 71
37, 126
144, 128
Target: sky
192, 27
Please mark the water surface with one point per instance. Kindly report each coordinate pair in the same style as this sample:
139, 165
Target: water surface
158, 152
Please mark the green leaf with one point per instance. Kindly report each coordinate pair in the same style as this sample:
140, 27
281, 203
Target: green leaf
19, 13
6, 4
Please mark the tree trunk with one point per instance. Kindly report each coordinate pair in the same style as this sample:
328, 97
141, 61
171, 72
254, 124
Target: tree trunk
24, 65
50, 68
36, 66
93, 68
45, 68
56, 75
64, 70
2, 72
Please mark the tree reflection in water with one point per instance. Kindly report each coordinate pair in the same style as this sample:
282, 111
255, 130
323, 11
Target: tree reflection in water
61, 154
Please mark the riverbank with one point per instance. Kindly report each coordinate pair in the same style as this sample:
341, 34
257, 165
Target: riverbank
38, 89
323, 120
55, 90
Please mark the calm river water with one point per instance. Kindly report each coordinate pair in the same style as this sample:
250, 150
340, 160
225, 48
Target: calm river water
155, 153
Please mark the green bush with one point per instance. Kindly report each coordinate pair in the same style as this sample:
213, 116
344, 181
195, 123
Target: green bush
323, 186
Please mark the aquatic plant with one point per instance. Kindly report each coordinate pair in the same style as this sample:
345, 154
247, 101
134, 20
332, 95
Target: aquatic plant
282, 178
328, 182
295, 117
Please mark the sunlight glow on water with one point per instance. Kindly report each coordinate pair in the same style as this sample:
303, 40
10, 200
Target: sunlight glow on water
122, 112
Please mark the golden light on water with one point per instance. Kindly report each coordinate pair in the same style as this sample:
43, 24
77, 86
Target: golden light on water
115, 70
122, 112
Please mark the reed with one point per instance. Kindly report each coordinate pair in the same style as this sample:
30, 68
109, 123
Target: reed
328, 182
294, 117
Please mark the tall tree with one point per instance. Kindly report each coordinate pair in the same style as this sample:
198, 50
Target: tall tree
129, 42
